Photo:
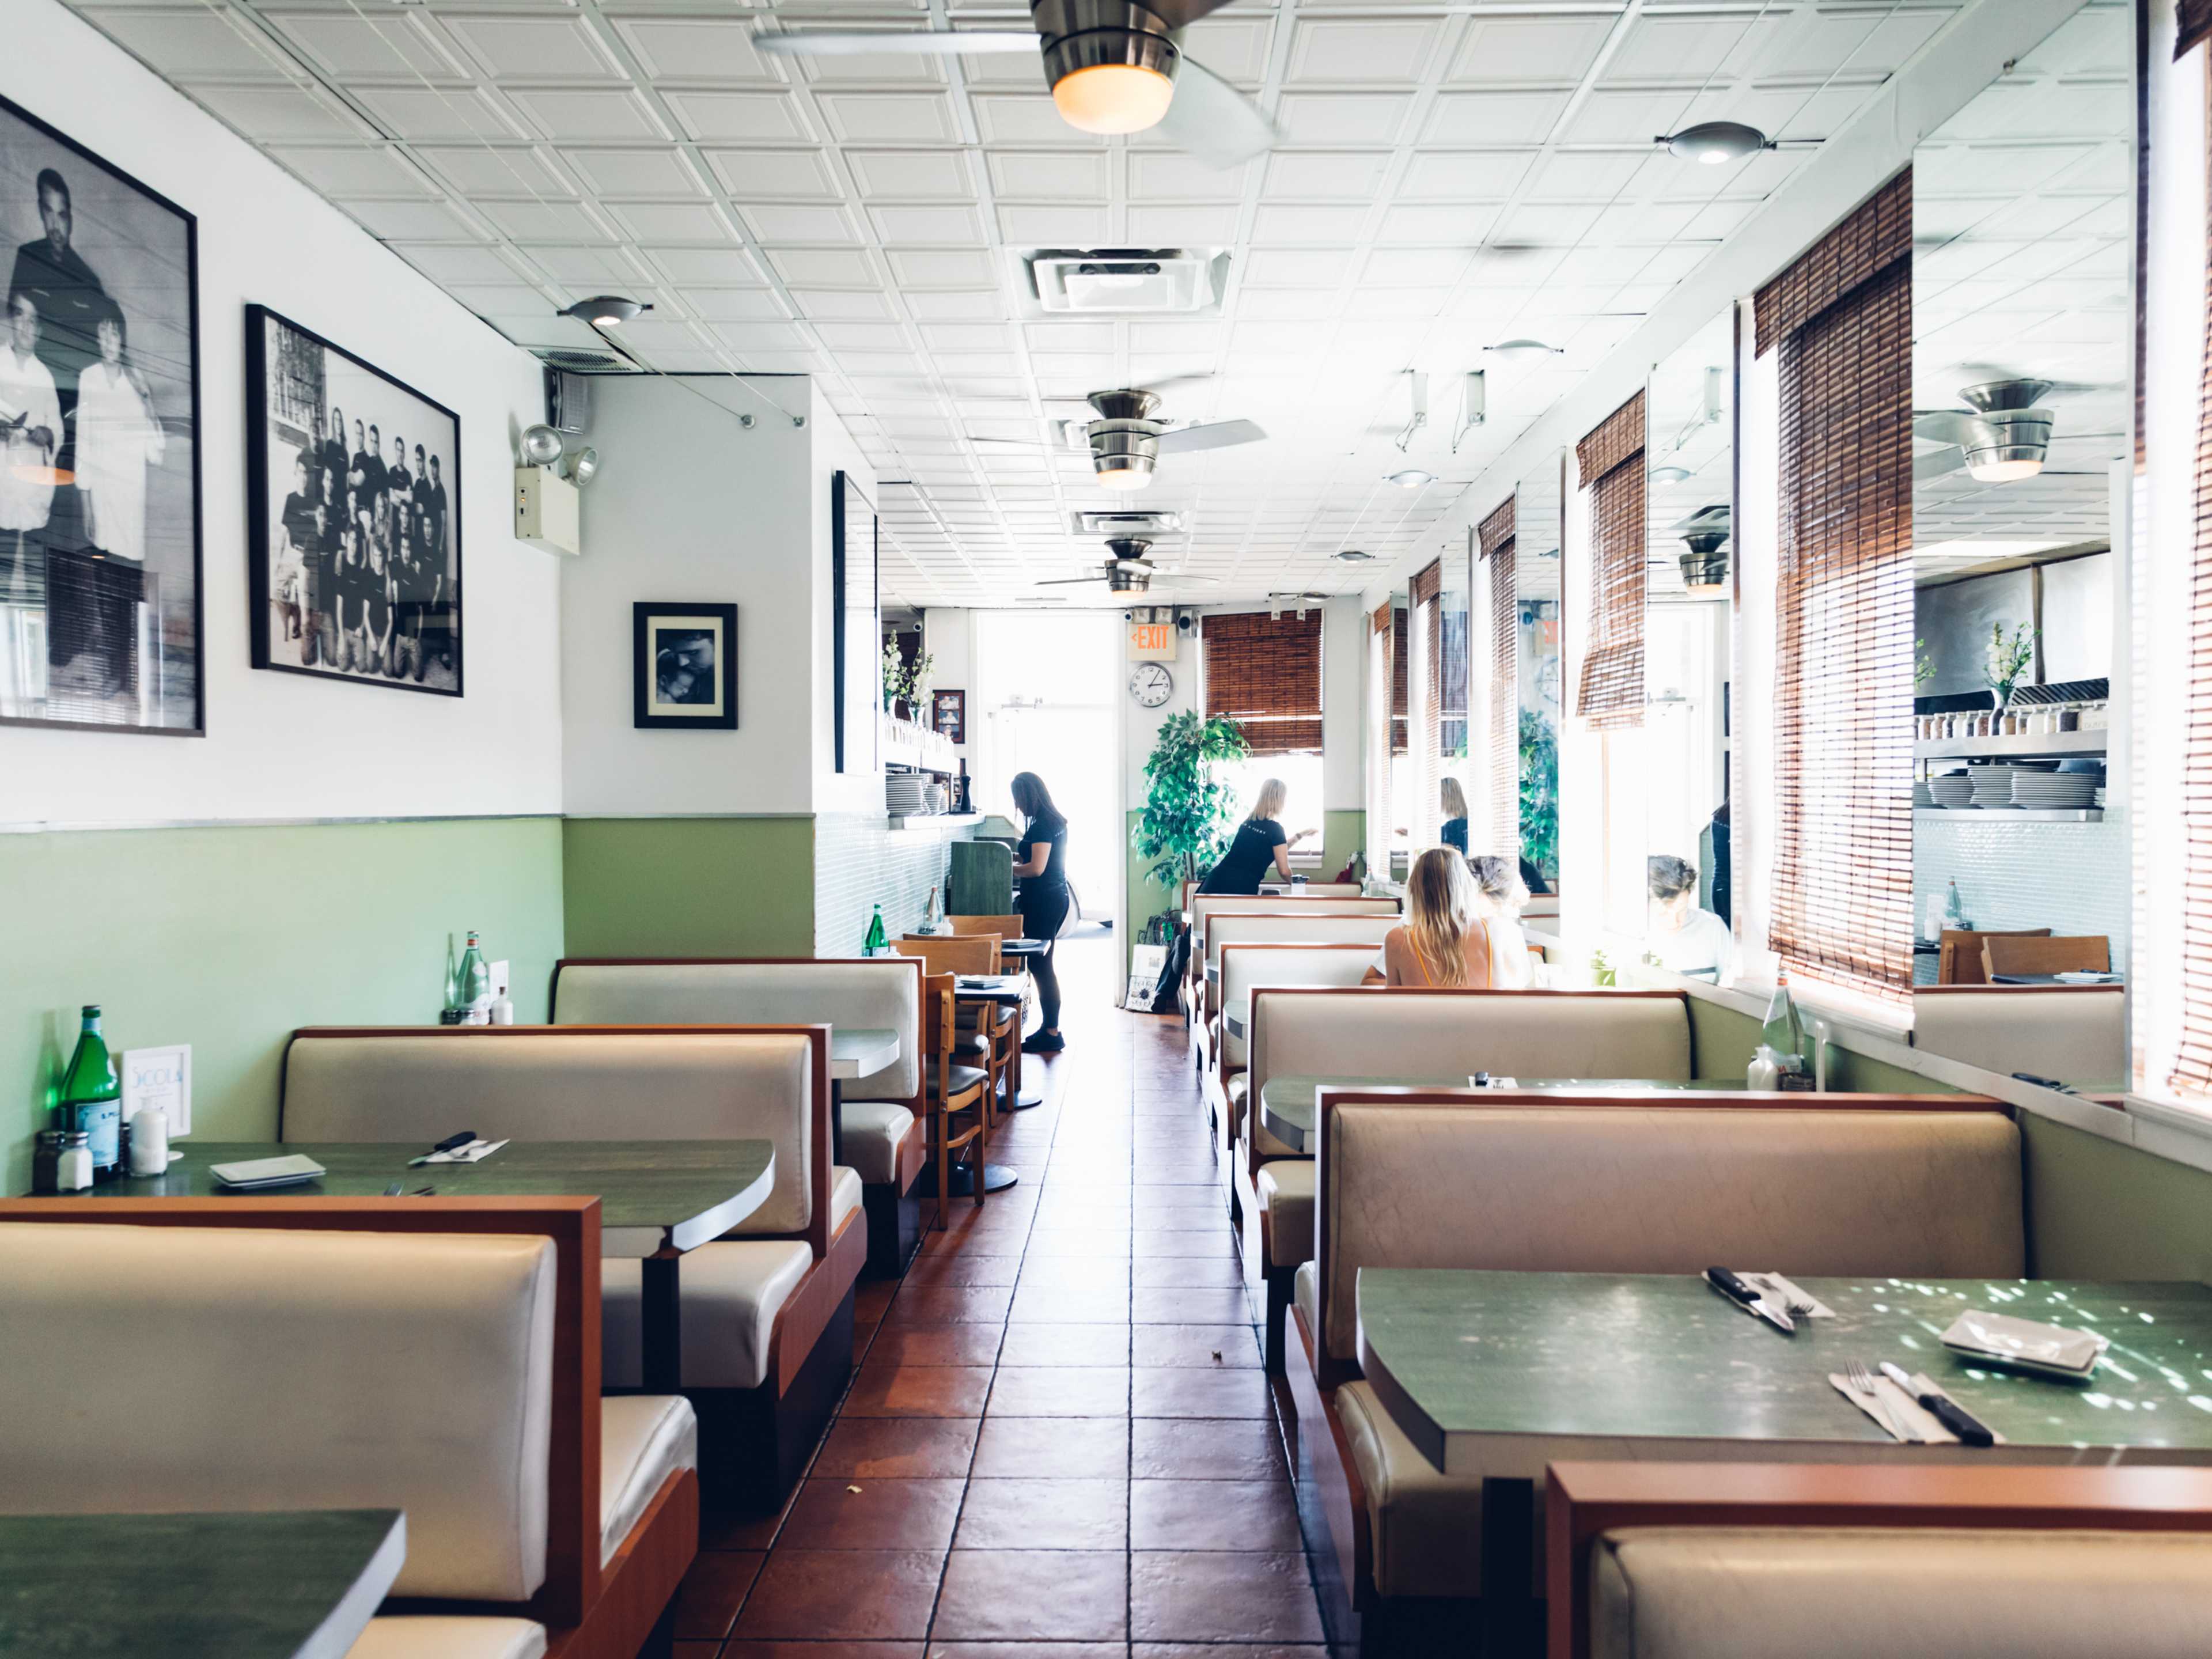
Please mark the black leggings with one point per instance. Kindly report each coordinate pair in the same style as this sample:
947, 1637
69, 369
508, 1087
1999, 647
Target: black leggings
1042, 915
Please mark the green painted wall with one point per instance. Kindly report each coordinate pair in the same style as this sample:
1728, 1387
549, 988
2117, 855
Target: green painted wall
730, 886
230, 938
2099, 1210
1343, 832
1146, 896
1722, 1041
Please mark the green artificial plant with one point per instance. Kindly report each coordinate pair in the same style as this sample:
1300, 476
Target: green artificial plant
1188, 806
1539, 793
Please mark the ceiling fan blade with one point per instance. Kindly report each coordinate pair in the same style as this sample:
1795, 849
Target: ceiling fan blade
1011, 443
1210, 119
913, 43
1213, 434
1950, 426
1182, 13
1168, 576
1937, 464
1068, 581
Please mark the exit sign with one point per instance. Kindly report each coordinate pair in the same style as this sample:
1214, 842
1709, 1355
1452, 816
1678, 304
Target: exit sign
1153, 641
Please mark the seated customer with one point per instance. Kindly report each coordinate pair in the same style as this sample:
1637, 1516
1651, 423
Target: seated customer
1454, 799
1683, 938
1447, 942
1259, 851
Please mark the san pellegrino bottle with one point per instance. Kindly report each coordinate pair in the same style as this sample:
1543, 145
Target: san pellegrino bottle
452, 975
877, 941
1782, 1032
92, 1097
1954, 913
476, 982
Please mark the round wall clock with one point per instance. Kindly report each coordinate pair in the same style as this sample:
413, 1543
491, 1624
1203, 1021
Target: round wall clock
1150, 685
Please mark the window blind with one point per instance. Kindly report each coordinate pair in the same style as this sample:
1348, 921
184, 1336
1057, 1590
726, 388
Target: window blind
2195, 23
2191, 1075
1610, 462
1264, 672
1842, 317
1496, 533
1400, 650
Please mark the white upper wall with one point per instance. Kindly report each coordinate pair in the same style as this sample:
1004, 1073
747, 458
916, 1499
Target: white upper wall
859, 787
279, 745
692, 507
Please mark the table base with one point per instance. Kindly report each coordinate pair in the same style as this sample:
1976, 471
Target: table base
661, 1320
997, 1177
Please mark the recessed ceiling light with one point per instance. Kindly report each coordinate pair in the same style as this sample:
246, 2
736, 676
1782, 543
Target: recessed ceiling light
605, 310
1412, 478
1515, 351
1715, 141
1670, 474
1351, 556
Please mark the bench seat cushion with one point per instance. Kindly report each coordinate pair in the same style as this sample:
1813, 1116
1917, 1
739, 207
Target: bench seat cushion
442, 1638
1426, 1526
1286, 1194
1239, 1088
1305, 1292
873, 1132
1838, 1593
731, 1290
844, 1195
643, 1439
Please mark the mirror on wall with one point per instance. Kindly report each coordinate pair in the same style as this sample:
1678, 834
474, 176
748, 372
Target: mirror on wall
1454, 693
1399, 781
1537, 501
1689, 554
2023, 329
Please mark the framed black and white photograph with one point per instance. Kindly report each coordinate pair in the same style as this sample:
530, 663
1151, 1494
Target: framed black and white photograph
684, 671
100, 461
948, 713
354, 516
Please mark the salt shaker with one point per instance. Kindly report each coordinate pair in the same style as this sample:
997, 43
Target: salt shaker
149, 1141
73, 1169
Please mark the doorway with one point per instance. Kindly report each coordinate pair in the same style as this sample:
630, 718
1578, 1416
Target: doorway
1045, 682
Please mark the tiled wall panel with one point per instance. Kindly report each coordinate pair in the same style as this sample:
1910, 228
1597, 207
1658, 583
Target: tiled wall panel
2069, 877
859, 862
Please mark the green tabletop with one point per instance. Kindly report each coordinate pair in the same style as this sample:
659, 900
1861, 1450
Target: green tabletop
654, 1194
1495, 1374
302, 1585
1286, 1103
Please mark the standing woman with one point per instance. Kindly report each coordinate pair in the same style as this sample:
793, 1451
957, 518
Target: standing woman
1259, 842
1041, 863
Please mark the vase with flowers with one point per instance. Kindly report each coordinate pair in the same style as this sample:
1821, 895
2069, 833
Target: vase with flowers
2010, 656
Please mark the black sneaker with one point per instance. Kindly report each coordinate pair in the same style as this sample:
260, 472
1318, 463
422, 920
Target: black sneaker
1044, 1043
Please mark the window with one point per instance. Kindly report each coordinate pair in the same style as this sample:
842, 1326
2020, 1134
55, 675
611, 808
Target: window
1264, 672
1610, 467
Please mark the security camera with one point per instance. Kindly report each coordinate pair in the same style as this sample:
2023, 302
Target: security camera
1183, 620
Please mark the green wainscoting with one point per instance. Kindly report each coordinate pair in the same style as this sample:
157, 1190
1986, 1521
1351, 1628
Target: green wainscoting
2097, 1209
1343, 833
1146, 894
680, 887
1722, 1041
230, 938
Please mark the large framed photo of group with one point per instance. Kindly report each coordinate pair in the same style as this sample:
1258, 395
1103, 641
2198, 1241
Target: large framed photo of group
354, 516
99, 455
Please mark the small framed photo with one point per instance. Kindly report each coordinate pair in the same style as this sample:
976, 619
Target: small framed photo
948, 713
684, 667
162, 1079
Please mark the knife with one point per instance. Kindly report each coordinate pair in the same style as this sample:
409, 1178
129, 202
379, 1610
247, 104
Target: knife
1945, 1410
1737, 1291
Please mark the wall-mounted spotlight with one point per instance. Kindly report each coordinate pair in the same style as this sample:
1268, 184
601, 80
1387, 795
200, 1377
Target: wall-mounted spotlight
541, 446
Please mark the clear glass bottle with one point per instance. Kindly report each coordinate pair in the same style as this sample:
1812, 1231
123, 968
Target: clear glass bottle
933, 915
92, 1097
476, 982
1782, 1030
877, 942
452, 976
1954, 913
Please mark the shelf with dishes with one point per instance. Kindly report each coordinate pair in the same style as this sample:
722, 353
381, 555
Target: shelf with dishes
2064, 790
2013, 746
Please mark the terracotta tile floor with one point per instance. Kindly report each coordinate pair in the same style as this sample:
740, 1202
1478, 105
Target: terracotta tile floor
1059, 1444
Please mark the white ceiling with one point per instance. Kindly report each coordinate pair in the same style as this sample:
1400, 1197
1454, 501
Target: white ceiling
1450, 174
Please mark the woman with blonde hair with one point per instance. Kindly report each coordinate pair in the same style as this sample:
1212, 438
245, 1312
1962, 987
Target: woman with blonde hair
1259, 842
1455, 804
1446, 941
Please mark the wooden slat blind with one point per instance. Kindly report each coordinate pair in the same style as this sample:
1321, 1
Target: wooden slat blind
2192, 1063
1399, 651
1427, 583
1844, 651
1497, 536
1264, 672
2196, 23
1611, 463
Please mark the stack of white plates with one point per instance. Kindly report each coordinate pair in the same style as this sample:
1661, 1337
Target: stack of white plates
2054, 791
1921, 797
1952, 789
1993, 785
903, 792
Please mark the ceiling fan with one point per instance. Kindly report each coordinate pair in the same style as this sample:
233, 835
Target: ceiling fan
1127, 572
1115, 66
1126, 442
2001, 436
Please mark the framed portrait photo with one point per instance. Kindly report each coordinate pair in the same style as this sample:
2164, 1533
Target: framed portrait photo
353, 485
684, 671
948, 715
99, 453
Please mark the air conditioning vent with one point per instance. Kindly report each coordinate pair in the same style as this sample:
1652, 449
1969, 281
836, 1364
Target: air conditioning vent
1123, 282
1125, 524
571, 362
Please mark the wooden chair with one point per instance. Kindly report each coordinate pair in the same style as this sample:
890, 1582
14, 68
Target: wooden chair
982, 1031
1004, 1024
2087, 953
1959, 961
953, 1089
950, 953
1005, 926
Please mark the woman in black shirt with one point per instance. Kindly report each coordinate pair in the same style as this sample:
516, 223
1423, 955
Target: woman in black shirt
1041, 863
1258, 844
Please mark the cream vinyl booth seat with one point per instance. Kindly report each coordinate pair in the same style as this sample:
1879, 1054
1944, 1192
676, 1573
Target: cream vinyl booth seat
766, 1323
1423, 1037
1904, 1593
1203, 907
2070, 1033
879, 1115
315, 1369
1247, 962
1646, 1189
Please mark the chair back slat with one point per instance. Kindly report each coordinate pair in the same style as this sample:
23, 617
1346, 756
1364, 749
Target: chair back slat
2089, 953
948, 954
1959, 953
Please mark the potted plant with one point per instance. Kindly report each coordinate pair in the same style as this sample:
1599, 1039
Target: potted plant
1188, 807
2010, 656
905, 686
1540, 795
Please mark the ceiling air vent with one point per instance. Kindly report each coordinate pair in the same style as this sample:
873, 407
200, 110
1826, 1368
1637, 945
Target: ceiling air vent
571, 362
1122, 282
1125, 524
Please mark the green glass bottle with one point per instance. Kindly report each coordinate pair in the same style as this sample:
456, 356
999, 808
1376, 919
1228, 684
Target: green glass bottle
476, 977
1783, 1031
92, 1097
452, 976
877, 941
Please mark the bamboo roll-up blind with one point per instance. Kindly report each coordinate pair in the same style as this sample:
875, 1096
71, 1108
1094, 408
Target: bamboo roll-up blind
1844, 654
1611, 463
1264, 672
1400, 650
2192, 1063
1504, 769
2196, 23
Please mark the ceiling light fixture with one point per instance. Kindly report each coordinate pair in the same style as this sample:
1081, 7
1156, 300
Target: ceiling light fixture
1122, 471
1412, 478
1351, 556
1517, 351
1715, 141
1111, 64
605, 310
2011, 437
1669, 475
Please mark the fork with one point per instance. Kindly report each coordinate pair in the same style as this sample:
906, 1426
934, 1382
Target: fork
1863, 1384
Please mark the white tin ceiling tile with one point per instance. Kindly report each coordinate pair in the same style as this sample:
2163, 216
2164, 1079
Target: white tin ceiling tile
1023, 174
1346, 51
189, 45
494, 170
1068, 226
929, 226
1469, 175
888, 118
956, 306
545, 222
353, 47
1500, 119
1182, 226
1519, 51
670, 222
801, 222
947, 268
1339, 118
735, 305
455, 265
825, 267
1006, 118
1279, 224
737, 115
412, 221
911, 174
269, 113
719, 50
354, 170
512, 48
750, 175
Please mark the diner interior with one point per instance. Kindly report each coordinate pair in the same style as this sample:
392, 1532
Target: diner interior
1284, 829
